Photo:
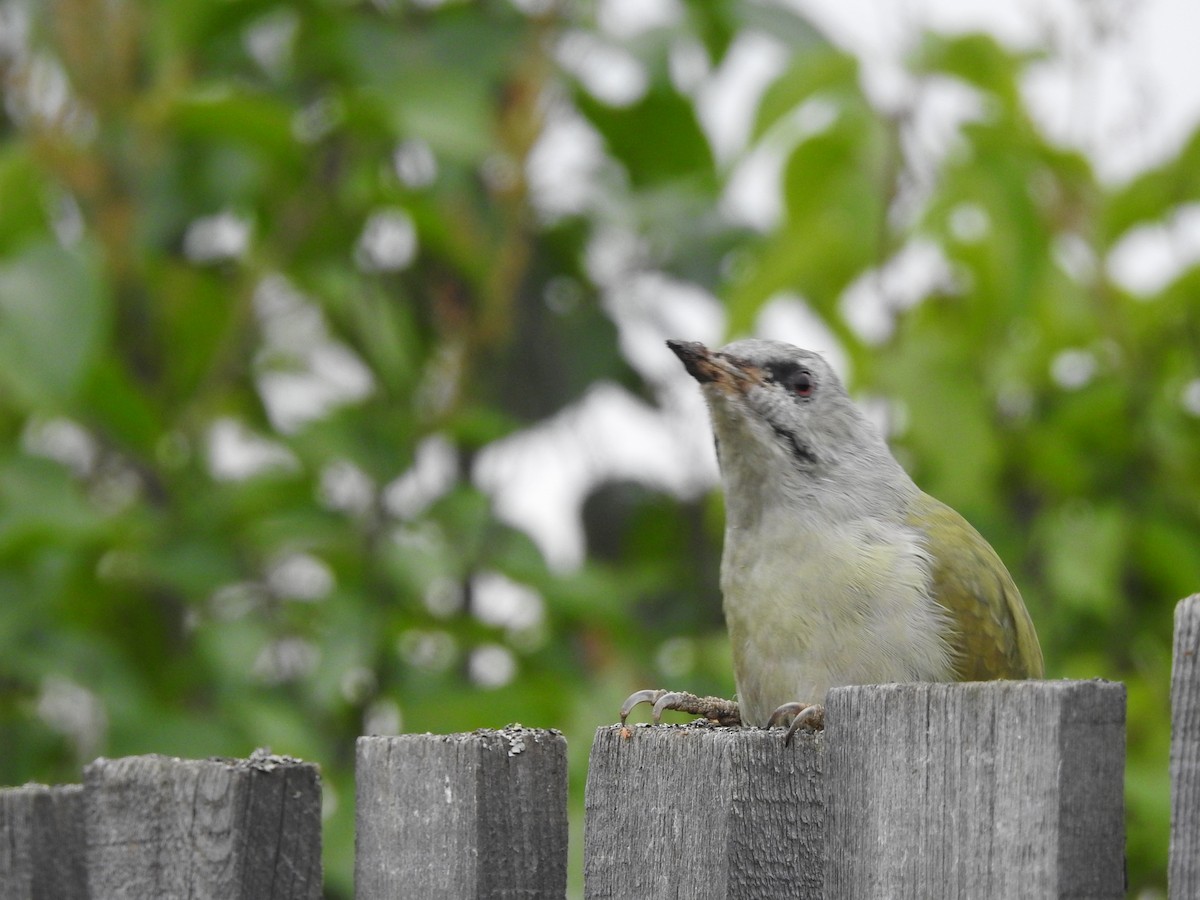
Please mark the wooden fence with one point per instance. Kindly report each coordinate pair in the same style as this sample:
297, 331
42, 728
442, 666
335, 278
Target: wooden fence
997, 790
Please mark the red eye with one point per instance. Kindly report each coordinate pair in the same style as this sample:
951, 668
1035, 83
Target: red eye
800, 383
791, 377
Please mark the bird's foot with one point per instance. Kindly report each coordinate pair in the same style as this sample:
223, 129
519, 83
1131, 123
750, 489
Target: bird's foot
716, 709
802, 714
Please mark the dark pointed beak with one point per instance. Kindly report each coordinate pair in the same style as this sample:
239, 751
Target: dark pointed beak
708, 366
695, 357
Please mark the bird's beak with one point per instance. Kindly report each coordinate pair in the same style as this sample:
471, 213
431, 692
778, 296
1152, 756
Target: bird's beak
709, 367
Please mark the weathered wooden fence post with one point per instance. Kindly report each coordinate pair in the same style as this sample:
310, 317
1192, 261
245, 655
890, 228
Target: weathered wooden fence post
694, 811
42, 850
161, 828
995, 790
1183, 872
461, 815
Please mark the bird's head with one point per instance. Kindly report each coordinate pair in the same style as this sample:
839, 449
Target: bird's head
782, 418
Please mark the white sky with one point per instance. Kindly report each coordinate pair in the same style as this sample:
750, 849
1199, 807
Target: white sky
1127, 93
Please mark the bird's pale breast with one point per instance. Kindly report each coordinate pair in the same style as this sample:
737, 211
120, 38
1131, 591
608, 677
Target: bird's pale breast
811, 609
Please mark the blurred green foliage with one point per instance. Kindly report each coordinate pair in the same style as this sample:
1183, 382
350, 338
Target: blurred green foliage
212, 209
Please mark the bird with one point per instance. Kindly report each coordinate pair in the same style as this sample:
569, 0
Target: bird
836, 568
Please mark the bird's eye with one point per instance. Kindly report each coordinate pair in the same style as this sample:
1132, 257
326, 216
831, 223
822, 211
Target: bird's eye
792, 378
800, 383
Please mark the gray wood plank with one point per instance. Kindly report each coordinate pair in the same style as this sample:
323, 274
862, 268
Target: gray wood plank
697, 811
42, 850
976, 791
1183, 871
475, 815
160, 828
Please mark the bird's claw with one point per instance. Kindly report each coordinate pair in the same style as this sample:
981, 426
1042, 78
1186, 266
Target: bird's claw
810, 714
667, 700
716, 709
639, 697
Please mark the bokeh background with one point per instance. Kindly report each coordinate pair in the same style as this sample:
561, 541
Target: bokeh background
332, 391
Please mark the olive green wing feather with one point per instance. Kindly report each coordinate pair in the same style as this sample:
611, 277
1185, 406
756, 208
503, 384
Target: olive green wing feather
993, 636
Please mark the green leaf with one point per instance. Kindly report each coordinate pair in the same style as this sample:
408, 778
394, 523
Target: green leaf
960, 468
24, 197
978, 59
824, 69
1154, 194
657, 139
1084, 547
115, 404
438, 81
714, 22
835, 185
41, 504
230, 113
53, 315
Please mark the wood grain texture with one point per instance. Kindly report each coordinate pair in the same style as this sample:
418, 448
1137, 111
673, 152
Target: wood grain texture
976, 791
697, 811
42, 850
160, 828
1183, 872
477, 815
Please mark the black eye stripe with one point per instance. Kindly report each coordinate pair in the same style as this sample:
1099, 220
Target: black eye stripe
792, 376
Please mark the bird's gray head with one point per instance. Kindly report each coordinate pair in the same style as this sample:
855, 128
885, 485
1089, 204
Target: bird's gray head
785, 424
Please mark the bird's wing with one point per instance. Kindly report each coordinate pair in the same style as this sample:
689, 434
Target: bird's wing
995, 637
